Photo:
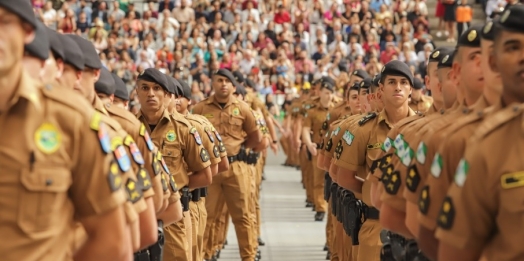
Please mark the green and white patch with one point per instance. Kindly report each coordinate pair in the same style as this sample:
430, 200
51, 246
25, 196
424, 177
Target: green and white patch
348, 137
461, 173
421, 152
386, 146
335, 132
328, 116
399, 141
436, 166
408, 156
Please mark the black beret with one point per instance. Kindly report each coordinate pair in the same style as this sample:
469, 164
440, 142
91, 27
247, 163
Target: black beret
251, 83
172, 85
91, 58
105, 83
397, 68
120, 88
343, 67
365, 84
22, 8
329, 80
241, 90
56, 43
361, 73
446, 61
154, 75
72, 52
316, 81
226, 73
186, 90
417, 84
39, 47
438, 53
470, 37
238, 76
488, 32
376, 79
513, 19
355, 86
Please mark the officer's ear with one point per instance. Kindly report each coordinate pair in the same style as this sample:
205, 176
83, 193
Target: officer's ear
492, 61
29, 33
96, 74
111, 97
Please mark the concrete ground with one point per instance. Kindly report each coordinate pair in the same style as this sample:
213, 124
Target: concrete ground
288, 228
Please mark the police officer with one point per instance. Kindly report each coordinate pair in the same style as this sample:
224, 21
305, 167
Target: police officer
451, 149
197, 206
143, 220
121, 97
362, 146
237, 125
419, 101
52, 189
180, 145
481, 214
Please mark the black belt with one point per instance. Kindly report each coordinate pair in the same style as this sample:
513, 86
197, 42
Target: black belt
372, 213
142, 255
232, 159
195, 195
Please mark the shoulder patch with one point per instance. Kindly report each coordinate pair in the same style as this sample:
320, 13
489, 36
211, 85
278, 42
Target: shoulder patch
386, 174
133, 191
339, 149
204, 155
160, 158
143, 179
172, 183
143, 132
156, 165
164, 182
219, 138
209, 134
423, 202
195, 134
348, 137
120, 154
114, 178
367, 118
216, 151
413, 178
394, 183
133, 149
461, 172
447, 214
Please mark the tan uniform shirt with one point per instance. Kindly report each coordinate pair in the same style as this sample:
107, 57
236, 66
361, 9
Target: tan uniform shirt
54, 170
333, 147
213, 135
425, 103
483, 209
179, 142
315, 119
208, 138
363, 145
232, 122
450, 151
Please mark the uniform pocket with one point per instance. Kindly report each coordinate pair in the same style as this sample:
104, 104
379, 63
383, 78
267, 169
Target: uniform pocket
172, 156
235, 126
44, 199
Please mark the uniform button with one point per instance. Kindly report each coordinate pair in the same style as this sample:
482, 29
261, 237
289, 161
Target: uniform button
169, 153
516, 108
48, 182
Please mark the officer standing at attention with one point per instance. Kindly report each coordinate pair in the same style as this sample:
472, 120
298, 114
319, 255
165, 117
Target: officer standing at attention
180, 145
53, 190
419, 101
141, 224
362, 146
197, 207
237, 125
482, 212
121, 98
451, 149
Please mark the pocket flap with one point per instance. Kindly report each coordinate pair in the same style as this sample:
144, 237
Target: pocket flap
50, 179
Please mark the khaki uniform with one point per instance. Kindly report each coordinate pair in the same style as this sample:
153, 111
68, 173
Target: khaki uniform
306, 165
46, 180
450, 151
198, 209
425, 103
483, 209
362, 145
179, 142
232, 121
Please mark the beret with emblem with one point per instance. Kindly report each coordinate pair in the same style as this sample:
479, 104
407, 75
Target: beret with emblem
173, 86
250, 83
361, 73
21, 8
417, 84
366, 83
488, 32
105, 83
186, 90
120, 88
72, 53
316, 81
226, 73
328, 80
446, 61
56, 43
470, 37
376, 79
238, 76
91, 58
39, 47
355, 86
512, 19
156, 76
397, 68
438, 53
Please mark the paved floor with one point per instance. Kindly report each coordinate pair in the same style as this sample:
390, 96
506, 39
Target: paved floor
288, 228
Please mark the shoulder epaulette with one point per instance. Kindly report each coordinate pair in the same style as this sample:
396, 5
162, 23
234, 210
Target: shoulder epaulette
367, 118
497, 120
124, 114
181, 119
59, 94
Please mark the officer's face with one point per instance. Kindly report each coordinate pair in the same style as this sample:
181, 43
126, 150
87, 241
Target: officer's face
363, 99
120, 103
33, 66
508, 59
152, 96
15, 34
470, 73
431, 80
354, 103
325, 95
222, 86
86, 84
70, 77
447, 87
395, 90
182, 104
105, 98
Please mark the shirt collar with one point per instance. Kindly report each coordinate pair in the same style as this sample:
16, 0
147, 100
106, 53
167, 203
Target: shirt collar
28, 90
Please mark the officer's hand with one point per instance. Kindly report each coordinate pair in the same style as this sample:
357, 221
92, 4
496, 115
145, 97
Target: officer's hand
312, 148
297, 144
274, 147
